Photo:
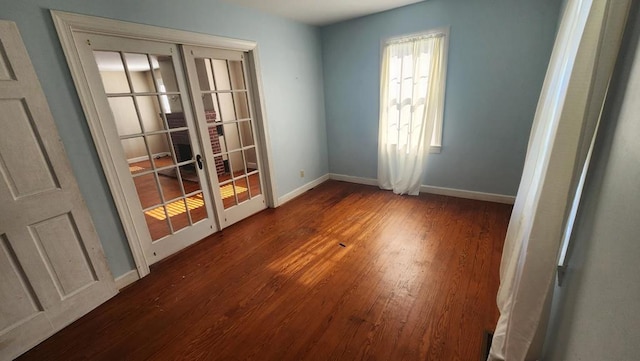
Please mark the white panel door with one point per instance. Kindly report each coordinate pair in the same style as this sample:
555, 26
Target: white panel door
52, 266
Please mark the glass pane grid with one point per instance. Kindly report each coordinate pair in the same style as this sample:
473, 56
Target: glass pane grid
141, 94
235, 191
236, 91
181, 218
179, 209
244, 175
171, 201
235, 150
225, 96
232, 121
170, 191
227, 192
124, 109
144, 96
154, 132
164, 168
236, 74
158, 223
242, 189
254, 184
225, 182
112, 72
193, 194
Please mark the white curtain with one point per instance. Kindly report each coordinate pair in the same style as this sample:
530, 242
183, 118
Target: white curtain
410, 102
568, 111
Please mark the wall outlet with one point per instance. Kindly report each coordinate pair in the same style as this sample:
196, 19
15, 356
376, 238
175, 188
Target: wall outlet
302, 173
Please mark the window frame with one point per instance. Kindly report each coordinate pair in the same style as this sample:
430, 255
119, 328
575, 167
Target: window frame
436, 140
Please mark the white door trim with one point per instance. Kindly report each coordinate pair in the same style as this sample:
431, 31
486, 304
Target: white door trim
68, 23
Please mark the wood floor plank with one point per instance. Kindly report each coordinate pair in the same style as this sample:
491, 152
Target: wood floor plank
343, 272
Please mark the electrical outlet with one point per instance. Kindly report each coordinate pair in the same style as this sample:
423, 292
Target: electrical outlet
302, 173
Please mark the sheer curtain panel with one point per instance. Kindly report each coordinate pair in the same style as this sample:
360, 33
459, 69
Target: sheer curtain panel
568, 111
411, 98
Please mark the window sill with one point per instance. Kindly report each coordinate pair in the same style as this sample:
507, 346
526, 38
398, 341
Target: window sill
435, 149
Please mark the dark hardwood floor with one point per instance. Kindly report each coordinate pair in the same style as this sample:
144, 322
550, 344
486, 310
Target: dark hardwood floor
416, 280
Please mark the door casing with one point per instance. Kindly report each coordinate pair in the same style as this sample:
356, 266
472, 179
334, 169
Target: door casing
69, 24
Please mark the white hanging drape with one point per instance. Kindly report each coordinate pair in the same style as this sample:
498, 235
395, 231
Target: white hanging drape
568, 110
410, 101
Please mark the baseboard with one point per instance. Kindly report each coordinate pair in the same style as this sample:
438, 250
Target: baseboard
452, 192
352, 179
300, 190
126, 279
460, 193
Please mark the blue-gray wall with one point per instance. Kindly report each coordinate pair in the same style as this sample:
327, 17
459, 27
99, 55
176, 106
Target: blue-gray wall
595, 313
498, 54
290, 55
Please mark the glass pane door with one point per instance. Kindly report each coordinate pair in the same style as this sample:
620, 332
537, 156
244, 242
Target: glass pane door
146, 93
222, 96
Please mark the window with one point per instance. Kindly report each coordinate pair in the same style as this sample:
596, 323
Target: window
410, 61
412, 82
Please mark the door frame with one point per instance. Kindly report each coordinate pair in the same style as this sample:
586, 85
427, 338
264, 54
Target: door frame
69, 23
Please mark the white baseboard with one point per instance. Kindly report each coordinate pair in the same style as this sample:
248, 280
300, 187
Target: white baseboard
127, 279
298, 191
352, 179
460, 193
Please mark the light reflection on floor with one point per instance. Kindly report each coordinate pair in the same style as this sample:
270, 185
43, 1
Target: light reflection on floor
177, 207
227, 190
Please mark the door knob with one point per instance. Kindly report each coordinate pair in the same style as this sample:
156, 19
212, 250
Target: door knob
199, 160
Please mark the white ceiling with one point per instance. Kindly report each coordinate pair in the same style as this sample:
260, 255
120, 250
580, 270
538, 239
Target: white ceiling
322, 12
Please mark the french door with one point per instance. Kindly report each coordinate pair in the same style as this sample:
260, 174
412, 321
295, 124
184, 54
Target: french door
221, 93
142, 99
182, 140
